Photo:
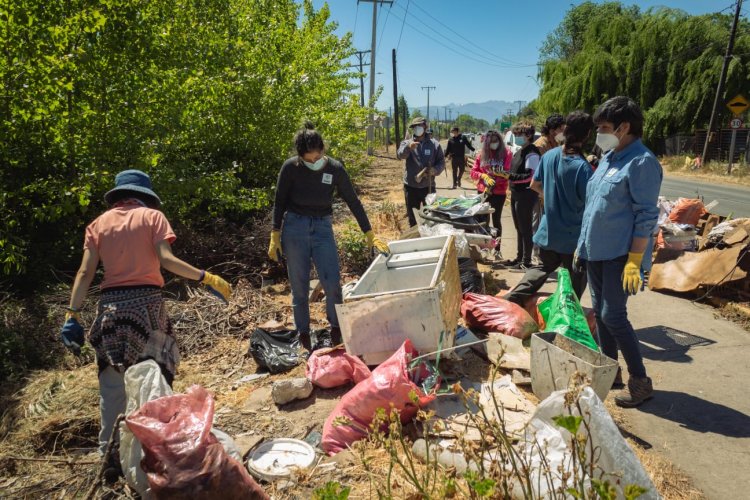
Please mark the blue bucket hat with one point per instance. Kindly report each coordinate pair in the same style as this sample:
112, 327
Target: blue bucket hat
132, 180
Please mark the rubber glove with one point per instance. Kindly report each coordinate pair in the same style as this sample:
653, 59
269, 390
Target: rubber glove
375, 242
488, 181
72, 333
631, 275
216, 285
274, 247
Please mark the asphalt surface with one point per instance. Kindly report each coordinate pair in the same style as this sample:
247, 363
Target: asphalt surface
732, 199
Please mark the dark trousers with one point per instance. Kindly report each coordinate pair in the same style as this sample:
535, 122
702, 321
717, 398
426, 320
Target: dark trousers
522, 207
414, 198
458, 165
496, 201
535, 277
610, 306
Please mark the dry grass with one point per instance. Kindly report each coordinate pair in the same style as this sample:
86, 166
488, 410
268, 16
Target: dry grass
713, 171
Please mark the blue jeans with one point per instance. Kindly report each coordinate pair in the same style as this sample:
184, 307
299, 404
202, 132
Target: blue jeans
610, 307
306, 239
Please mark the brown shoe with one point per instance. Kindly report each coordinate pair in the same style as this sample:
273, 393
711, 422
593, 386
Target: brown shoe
638, 391
618, 384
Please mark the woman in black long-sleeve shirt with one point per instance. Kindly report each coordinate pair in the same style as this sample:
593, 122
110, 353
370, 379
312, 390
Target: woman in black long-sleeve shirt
304, 204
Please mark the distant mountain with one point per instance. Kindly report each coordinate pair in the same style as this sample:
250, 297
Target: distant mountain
488, 110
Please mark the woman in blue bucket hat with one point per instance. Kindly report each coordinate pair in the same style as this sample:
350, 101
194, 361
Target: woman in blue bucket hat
132, 240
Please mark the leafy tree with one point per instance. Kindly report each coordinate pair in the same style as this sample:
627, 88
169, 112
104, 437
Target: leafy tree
665, 59
203, 96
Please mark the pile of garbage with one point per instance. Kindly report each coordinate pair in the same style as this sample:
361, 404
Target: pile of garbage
696, 249
169, 445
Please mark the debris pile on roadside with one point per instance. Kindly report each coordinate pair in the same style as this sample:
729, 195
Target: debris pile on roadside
700, 252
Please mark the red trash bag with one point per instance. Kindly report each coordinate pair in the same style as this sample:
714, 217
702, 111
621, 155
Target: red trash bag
493, 314
328, 368
182, 459
687, 211
389, 386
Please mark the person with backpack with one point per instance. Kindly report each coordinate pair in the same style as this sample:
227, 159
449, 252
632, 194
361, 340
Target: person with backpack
523, 198
561, 181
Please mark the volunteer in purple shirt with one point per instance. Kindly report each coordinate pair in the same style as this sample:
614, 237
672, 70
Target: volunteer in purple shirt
618, 220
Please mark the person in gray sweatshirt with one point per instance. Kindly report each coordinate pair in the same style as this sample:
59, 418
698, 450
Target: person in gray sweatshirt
424, 161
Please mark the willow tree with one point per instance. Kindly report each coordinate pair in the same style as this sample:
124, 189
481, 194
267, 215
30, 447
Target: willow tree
665, 59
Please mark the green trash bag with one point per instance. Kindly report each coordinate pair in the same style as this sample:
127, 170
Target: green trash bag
563, 313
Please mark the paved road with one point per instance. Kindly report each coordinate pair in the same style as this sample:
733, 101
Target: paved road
732, 199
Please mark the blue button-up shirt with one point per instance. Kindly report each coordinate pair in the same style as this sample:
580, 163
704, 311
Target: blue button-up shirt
620, 203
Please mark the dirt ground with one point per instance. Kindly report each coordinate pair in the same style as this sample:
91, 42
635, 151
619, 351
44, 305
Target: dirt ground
51, 424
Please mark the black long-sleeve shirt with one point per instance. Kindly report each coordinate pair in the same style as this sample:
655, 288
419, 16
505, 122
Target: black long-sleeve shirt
306, 192
456, 147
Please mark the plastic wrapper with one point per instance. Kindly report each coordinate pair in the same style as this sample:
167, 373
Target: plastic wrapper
395, 384
277, 352
330, 368
182, 458
493, 314
562, 313
546, 447
462, 244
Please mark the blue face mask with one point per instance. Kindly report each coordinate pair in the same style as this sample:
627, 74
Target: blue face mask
317, 165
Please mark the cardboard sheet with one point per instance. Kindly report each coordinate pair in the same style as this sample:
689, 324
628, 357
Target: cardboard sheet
694, 269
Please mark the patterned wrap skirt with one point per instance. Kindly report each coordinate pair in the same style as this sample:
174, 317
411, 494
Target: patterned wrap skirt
132, 326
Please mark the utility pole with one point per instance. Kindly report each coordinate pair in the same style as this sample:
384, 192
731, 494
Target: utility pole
722, 79
450, 115
359, 54
428, 100
395, 97
372, 66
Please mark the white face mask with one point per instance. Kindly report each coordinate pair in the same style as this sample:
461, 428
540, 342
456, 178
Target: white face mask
418, 131
607, 142
494, 145
560, 137
316, 165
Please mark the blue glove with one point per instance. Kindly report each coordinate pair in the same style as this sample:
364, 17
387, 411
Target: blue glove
72, 335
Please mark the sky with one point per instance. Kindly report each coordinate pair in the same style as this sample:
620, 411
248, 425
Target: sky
471, 51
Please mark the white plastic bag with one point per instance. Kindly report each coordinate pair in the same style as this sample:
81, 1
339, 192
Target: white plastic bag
462, 244
143, 383
614, 457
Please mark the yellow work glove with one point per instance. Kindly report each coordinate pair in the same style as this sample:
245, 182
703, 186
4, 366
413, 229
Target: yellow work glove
631, 275
274, 247
488, 181
375, 242
216, 286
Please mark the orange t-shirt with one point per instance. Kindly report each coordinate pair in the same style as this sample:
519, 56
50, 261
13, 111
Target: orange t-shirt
125, 238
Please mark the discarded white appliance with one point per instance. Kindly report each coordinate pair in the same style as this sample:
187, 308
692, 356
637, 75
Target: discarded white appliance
414, 293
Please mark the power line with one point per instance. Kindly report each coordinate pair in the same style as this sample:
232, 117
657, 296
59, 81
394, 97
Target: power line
475, 45
463, 54
402, 27
382, 31
356, 16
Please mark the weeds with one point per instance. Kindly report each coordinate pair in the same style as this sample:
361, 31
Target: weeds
499, 465
353, 250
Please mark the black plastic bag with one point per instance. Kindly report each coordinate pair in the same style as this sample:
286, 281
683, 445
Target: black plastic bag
277, 352
472, 280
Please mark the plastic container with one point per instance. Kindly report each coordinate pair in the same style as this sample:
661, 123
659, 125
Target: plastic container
278, 458
555, 358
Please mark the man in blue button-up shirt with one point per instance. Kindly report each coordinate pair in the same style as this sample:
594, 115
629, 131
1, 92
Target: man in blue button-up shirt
618, 221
